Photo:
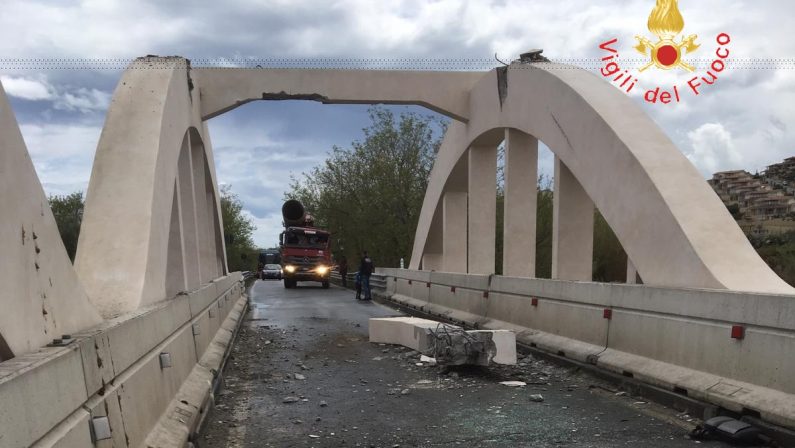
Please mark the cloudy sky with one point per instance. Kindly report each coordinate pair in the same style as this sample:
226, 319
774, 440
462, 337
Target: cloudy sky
744, 121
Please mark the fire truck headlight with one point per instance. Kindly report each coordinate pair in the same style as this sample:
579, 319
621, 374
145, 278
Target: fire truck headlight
289, 268
322, 270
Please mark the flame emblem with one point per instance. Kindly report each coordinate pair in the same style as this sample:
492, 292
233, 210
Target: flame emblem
666, 22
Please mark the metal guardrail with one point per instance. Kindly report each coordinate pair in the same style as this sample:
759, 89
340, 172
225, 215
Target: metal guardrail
248, 276
377, 281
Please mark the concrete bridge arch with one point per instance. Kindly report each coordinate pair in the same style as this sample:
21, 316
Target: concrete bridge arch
609, 154
149, 233
150, 277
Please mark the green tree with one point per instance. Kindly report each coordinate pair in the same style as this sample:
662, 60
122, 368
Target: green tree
370, 194
544, 228
609, 258
778, 251
68, 212
241, 254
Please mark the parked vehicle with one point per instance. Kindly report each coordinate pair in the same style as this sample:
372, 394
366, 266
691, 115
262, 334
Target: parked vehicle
304, 249
271, 271
269, 256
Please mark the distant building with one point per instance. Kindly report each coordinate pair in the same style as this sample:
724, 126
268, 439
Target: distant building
763, 203
782, 175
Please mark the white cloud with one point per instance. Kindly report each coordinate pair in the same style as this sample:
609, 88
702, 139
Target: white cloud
60, 140
713, 149
64, 97
33, 89
62, 154
83, 100
268, 228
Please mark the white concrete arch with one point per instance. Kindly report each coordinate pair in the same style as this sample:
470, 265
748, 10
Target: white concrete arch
674, 228
153, 170
42, 298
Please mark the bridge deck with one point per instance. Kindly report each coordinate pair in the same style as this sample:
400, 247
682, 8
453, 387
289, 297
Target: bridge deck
325, 331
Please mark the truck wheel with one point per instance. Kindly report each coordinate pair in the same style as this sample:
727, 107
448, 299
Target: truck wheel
325, 284
288, 283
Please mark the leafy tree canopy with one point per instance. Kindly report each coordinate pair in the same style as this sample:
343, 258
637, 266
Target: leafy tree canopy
369, 195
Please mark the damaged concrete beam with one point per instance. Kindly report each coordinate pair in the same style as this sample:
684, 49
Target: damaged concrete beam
449, 344
406, 331
505, 345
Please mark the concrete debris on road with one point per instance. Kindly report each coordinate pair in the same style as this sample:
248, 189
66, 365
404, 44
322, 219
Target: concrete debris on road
428, 360
513, 383
445, 344
393, 402
298, 376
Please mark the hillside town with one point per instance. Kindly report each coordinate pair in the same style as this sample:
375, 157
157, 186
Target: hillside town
762, 203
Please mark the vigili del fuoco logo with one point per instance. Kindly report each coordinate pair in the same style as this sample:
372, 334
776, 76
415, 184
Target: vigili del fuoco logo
667, 53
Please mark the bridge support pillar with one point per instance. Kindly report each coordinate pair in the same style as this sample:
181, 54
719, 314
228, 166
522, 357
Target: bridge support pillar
519, 223
482, 209
433, 262
572, 231
454, 223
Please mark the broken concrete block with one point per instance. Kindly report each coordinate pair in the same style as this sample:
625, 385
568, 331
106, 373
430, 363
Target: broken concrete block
428, 360
505, 341
513, 383
449, 344
406, 331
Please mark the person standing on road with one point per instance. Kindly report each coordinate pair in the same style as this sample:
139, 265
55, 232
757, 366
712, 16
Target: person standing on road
343, 267
366, 268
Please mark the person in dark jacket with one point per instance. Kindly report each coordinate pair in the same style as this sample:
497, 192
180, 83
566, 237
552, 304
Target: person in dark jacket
343, 268
357, 283
366, 269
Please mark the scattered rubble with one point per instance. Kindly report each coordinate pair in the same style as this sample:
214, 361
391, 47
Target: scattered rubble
368, 382
513, 383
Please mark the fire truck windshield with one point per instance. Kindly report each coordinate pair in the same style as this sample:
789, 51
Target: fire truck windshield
301, 238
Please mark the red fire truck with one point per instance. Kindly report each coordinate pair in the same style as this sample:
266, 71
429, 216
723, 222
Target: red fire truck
305, 249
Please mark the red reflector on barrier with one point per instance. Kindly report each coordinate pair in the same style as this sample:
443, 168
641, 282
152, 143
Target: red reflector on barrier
738, 332
485, 294
452, 289
428, 284
534, 301
409, 282
607, 313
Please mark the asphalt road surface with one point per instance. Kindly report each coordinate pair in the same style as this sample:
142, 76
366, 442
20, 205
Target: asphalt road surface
303, 374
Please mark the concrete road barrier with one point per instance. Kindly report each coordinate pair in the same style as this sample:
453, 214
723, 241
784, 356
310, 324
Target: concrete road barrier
734, 350
121, 380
